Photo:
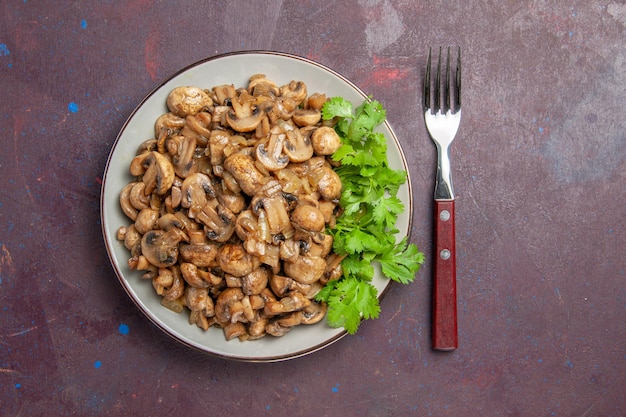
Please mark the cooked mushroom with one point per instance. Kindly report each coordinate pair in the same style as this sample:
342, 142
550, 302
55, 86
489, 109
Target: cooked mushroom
159, 173
199, 255
259, 85
127, 207
195, 276
328, 183
183, 160
271, 156
243, 169
309, 218
313, 313
235, 260
294, 301
325, 140
198, 299
255, 281
146, 219
233, 330
245, 114
185, 101
160, 247
271, 200
316, 101
195, 191
168, 122
305, 269
306, 117
177, 289
295, 90
219, 222
297, 146
226, 302
138, 197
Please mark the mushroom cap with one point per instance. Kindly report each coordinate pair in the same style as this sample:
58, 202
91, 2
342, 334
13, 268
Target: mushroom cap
325, 140
308, 218
185, 101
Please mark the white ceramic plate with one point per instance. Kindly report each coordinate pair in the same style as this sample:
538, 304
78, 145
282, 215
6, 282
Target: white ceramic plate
235, 68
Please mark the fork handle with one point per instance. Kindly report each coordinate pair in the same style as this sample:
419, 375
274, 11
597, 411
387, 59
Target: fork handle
444, 323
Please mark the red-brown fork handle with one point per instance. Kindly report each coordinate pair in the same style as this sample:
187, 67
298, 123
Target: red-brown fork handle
444, 330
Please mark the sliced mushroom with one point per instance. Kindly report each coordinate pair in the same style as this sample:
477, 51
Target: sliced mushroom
127, 207
233, 330
275, 329
159, 173
224, 93
295, 90
294, 301
183, 160
185, 101
245, 114
160, 247
194, 276
313, 313
270, 199
195, 191
254, 282
306, 117
243, 169
138, 197
168, 122
271, 156
305, 269
200, 255
259, 85
325, 140
198, 299
297, 146
219, 222
226, 302
177, 289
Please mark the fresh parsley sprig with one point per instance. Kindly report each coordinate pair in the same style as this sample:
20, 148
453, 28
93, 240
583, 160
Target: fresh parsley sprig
365, 231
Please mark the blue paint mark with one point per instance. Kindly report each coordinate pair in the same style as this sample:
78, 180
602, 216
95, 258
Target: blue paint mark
540, 360
123, 328
335, 388
267, 407
541, 130
571, 33
569, 363
97, 364
83, 24
73, 107
18, 385
4, 49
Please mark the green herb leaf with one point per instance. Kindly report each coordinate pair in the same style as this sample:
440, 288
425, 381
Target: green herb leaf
365, 231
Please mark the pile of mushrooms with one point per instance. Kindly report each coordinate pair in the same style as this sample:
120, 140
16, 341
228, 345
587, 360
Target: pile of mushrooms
230, 204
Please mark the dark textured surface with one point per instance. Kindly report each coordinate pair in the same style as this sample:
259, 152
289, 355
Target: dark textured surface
538, 166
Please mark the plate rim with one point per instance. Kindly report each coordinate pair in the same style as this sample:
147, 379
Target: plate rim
108, 244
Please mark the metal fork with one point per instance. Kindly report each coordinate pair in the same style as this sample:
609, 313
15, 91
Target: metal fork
442, 114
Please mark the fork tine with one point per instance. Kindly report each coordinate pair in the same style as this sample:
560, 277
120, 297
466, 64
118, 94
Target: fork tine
458, 82
438, 90
427, 84
448, 90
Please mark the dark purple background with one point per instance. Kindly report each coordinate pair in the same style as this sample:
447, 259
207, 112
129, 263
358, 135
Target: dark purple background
539, 168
